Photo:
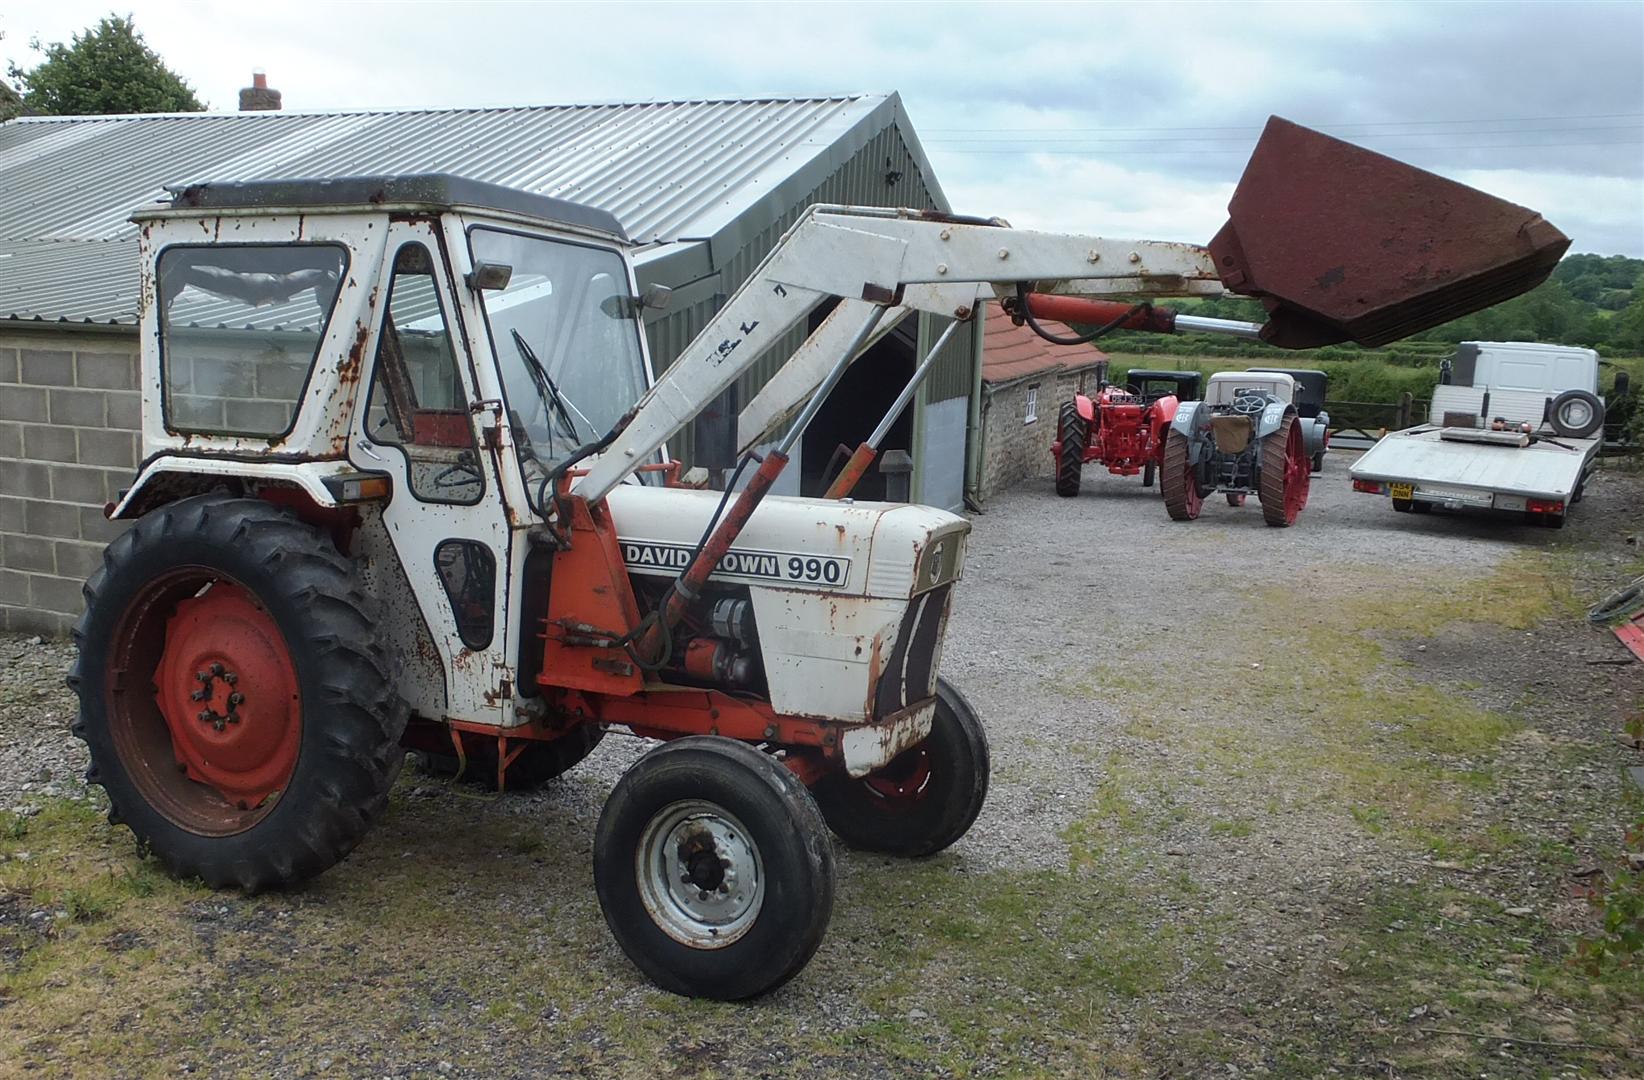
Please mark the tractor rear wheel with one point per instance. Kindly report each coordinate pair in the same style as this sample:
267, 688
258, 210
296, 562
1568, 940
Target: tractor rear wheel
234, 694
1179, 480
1073, 432
714, 869
1286, 474
926, 798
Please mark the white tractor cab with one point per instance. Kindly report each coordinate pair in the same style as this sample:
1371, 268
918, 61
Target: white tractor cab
1513, 426
360, 397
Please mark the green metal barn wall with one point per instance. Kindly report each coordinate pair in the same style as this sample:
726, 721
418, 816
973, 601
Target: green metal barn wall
861, 181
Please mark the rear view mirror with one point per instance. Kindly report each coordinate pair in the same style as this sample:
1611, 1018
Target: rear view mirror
489, 276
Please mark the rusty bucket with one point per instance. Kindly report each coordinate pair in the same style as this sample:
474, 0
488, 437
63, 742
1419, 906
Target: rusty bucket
1342, 243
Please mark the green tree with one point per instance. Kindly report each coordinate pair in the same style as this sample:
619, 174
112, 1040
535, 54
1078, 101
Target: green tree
106, 69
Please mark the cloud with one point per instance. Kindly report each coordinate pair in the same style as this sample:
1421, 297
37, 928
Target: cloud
1104, 118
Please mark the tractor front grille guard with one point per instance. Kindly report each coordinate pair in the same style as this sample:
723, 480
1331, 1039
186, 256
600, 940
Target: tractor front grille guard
909, 674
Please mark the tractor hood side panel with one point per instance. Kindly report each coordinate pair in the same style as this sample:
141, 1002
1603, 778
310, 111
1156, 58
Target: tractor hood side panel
836, 586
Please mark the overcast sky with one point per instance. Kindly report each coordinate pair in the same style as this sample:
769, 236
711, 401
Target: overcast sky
1128, 120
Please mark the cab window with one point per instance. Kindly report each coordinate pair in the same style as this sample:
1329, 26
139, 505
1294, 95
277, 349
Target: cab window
417, 402
240, 326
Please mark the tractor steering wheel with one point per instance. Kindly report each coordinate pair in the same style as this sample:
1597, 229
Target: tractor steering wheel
1250, 404
464, 473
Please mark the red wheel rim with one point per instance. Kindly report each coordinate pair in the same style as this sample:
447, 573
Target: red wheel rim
1190, 482
204, 706
1298, 474
904, 780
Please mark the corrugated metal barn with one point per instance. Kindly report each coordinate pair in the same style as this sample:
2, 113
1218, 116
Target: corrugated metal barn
706, 187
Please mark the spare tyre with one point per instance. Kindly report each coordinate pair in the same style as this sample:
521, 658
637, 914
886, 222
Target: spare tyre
1576, 414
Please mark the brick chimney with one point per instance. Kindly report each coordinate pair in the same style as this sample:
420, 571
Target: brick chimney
258, 97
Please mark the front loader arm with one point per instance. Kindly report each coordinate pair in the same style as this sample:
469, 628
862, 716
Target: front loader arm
1338, 242
874, 259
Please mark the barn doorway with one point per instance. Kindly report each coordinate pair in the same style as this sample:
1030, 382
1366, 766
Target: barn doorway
864, 394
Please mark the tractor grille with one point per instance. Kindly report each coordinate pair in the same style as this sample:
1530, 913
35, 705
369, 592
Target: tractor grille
910, 671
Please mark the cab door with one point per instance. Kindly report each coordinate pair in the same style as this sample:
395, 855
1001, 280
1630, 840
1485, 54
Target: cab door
446, 517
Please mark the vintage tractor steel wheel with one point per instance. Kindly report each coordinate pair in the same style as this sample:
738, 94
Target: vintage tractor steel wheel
1179, 480
235, 698
714, 869
1286, 474
538, 763
926, 798
1073, 432
1235, 498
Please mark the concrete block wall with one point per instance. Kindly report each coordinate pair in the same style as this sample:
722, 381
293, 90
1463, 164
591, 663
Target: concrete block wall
69, 413
1013, 449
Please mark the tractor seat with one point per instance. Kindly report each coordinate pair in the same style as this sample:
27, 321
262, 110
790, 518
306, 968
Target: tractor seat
1232, 432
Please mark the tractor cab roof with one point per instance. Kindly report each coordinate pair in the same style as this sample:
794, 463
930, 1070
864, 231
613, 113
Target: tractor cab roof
424, 192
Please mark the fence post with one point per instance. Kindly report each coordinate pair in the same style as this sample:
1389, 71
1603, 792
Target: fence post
1404, 409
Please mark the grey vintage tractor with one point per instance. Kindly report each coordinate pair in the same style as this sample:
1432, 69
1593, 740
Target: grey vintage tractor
1311, 385
1244, 437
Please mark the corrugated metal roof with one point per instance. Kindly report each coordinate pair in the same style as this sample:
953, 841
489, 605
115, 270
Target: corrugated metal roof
669, 170
1011, 352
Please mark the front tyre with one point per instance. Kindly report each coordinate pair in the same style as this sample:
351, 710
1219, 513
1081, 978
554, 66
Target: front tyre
234, 694
926, 798
714, 869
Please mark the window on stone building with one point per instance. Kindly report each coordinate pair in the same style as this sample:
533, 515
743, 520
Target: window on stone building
1031, 409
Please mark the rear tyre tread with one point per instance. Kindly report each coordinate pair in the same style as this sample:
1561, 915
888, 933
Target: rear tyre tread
1174, 478
1070, 463
352, 719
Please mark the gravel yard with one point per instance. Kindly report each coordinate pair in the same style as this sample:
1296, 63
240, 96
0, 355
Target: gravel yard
1317, 801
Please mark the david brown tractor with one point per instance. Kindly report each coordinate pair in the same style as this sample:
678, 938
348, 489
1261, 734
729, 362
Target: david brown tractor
1244, 437
404, 484
1121, 427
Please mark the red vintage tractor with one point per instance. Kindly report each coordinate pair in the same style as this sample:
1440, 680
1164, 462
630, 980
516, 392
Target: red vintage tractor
1122, 427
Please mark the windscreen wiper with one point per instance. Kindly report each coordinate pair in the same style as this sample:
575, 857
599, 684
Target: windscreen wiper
549, 394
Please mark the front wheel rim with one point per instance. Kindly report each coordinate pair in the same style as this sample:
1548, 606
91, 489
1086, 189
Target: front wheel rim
700, 874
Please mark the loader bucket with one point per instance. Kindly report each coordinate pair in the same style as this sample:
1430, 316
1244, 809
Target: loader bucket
1341, 243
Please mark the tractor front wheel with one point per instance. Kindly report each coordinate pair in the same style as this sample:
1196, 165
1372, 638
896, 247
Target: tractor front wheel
1074, 433
1286, 474
234, 693
714, 869
1147, 474
926, 798
1179, 480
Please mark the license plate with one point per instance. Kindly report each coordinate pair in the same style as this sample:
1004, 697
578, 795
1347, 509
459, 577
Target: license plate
1403, 491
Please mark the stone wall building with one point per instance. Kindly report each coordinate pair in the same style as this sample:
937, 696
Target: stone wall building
1025, 379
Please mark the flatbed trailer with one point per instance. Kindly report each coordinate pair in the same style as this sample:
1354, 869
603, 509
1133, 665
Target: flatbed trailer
1540, 475
1513, 426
